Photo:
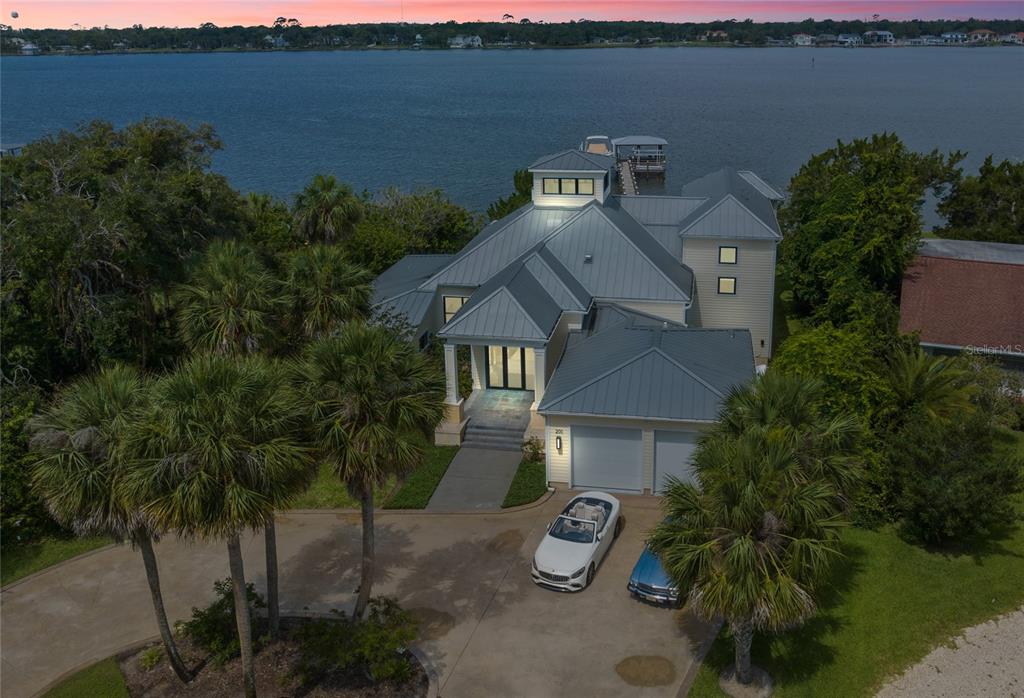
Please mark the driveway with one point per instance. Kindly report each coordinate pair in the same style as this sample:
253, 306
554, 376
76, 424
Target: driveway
486, 629
477, 478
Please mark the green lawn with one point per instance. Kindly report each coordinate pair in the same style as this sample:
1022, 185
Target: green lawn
101, 680
889, 605
420, 484
327, 492
22, 560
528, 485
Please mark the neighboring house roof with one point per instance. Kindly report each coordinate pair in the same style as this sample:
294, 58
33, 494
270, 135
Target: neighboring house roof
973, 250
966, 294
735, 207
573, 161
649, 370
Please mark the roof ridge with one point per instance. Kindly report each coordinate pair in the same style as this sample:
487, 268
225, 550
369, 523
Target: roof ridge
458, 318
697, 378
622, 233
602, 376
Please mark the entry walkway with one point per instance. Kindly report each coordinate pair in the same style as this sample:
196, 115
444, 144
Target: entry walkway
477, 479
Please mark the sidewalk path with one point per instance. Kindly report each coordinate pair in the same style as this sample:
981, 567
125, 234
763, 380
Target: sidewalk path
988, 660
477, 478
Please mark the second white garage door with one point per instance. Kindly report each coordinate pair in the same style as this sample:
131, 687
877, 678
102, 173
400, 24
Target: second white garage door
607, 458
673, 451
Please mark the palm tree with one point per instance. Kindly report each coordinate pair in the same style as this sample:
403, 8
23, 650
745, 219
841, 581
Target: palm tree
757, 534
82, 465
223, 450
326, 210
326, 290
937, 385
229, 306
369, 393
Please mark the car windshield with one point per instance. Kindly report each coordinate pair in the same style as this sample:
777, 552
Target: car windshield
571, 530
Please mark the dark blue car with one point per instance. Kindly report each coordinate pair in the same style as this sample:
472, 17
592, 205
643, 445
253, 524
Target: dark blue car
649, 581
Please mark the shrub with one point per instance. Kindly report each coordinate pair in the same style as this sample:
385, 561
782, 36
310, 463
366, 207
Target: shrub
950, 485
375, 646
533, 450
213, 628
151, 657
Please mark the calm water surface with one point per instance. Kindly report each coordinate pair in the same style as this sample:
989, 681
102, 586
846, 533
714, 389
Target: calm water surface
465, 120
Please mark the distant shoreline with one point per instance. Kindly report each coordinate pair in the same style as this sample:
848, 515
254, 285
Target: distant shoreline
434, 49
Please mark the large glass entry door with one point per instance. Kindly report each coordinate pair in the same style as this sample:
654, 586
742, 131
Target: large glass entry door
510, 368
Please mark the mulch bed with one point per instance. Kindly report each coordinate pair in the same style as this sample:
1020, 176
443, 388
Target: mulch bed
276, 675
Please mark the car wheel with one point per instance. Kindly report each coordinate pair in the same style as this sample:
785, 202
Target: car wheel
618, 527
590, 575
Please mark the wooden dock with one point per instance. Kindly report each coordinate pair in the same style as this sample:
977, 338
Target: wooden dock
627, 178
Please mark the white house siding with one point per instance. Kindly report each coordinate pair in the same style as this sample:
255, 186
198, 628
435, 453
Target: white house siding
559, 463
751, 307
675, 312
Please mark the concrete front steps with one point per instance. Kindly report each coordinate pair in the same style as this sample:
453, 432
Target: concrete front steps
498, 438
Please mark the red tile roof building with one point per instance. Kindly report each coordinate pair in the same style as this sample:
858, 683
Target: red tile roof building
963, 294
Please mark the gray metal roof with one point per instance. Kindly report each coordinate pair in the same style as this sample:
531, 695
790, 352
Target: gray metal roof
557, 281
735, 208
972, 250
406, 274
639, 140
651, 372
413, 306
497, 246
762, 186
625, 261
660, 210
512, 306
573, 161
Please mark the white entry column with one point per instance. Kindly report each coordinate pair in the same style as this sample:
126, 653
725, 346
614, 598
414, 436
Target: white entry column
450, 431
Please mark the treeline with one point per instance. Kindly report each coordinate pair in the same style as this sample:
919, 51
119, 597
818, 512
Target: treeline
519, 30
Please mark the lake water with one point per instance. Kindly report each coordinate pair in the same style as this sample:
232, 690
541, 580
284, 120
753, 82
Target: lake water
465, 120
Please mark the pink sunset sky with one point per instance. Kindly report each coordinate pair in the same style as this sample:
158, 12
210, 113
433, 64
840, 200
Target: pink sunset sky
185, 13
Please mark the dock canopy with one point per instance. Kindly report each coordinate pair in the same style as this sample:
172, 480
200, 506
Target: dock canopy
642, 141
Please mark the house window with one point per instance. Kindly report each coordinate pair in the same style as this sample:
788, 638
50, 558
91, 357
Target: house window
568, 186
727, 255
452, 304
727, 285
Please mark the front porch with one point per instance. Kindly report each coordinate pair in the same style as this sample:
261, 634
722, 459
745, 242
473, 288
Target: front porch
507, 385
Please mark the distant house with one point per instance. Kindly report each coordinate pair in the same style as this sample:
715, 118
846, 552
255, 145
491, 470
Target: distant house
883, 38
714, 35
980, 36
966, 295
825, 39
461, 41
954, 38
803, 40
418, 41
924, 40
1015, 38
275, 41
771, 41
849, 40
29, 49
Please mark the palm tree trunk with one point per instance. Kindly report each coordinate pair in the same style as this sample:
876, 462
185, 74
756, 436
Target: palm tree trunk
366, 580
743, 635
273, 608
242, 616
153, 577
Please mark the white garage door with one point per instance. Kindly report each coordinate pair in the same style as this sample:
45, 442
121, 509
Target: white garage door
672, 453
607, 458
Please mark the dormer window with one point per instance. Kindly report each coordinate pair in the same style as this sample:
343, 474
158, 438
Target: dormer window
569, 186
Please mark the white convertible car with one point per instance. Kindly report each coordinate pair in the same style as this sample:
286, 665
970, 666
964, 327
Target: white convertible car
577, 541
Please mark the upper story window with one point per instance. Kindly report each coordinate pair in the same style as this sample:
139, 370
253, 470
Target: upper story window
727, 255
570, 186
727, 285
452, 305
